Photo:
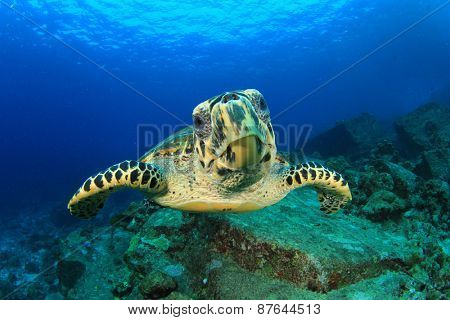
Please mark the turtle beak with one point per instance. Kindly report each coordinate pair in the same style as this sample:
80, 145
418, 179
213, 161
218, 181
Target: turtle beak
244, 152
239, 136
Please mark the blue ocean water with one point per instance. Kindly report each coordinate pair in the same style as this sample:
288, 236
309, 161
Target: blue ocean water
63, 117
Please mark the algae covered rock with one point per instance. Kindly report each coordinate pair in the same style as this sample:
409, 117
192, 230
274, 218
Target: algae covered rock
35, 291
100, 250
233, 282
425, 134
5, 288
435, 164
69, 271
426, 128
432, 198
384, 205
168, 218
288, 251
54, 296
175, 295
386, 150
293, 241
134, 216
388, 286
382, 189
404, 180
161, 233
373, 181
433, 269
157, 285
122, 289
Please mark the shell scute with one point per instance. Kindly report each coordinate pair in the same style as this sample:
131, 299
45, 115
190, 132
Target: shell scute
179, 143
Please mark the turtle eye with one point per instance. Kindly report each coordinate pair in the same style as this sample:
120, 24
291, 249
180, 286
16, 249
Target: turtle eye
198, 122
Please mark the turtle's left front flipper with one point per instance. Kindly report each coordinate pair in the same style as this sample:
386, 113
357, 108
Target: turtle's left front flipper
332, 190
90, 198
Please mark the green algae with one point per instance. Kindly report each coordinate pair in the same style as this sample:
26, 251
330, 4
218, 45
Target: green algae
167, 218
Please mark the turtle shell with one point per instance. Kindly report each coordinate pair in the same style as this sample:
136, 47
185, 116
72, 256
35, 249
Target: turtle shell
179, 143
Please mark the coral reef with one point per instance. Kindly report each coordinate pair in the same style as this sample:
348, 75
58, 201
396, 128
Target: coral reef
157, 285
383, 205
403, 186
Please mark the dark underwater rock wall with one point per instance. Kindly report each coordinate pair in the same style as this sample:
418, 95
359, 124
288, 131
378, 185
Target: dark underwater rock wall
350, 137
426, 128
425, 135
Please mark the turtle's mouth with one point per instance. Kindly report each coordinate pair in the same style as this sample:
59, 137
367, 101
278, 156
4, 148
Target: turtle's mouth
243, 152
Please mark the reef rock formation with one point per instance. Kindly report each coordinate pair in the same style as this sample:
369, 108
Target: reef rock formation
425, 134
157, 285
426, 128
383, 205
295, 242
349, 138
69, 271
292, 250
100, 252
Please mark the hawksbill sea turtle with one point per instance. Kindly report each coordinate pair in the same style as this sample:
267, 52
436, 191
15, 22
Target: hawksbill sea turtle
226, 162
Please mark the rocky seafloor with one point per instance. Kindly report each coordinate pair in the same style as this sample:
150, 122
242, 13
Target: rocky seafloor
391, 242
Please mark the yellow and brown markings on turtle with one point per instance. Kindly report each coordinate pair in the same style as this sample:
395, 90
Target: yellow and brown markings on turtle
227, 161
311, 173
127, 173
180, 144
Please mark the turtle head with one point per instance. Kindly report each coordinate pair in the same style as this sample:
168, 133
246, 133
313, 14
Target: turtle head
233, 135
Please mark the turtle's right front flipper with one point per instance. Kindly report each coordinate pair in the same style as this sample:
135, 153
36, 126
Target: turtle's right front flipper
332, 190
90, 198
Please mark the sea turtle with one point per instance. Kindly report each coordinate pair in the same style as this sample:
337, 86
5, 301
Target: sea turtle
226, 162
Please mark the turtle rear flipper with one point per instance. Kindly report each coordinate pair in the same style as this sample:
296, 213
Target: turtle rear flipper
333, 191
91, 197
